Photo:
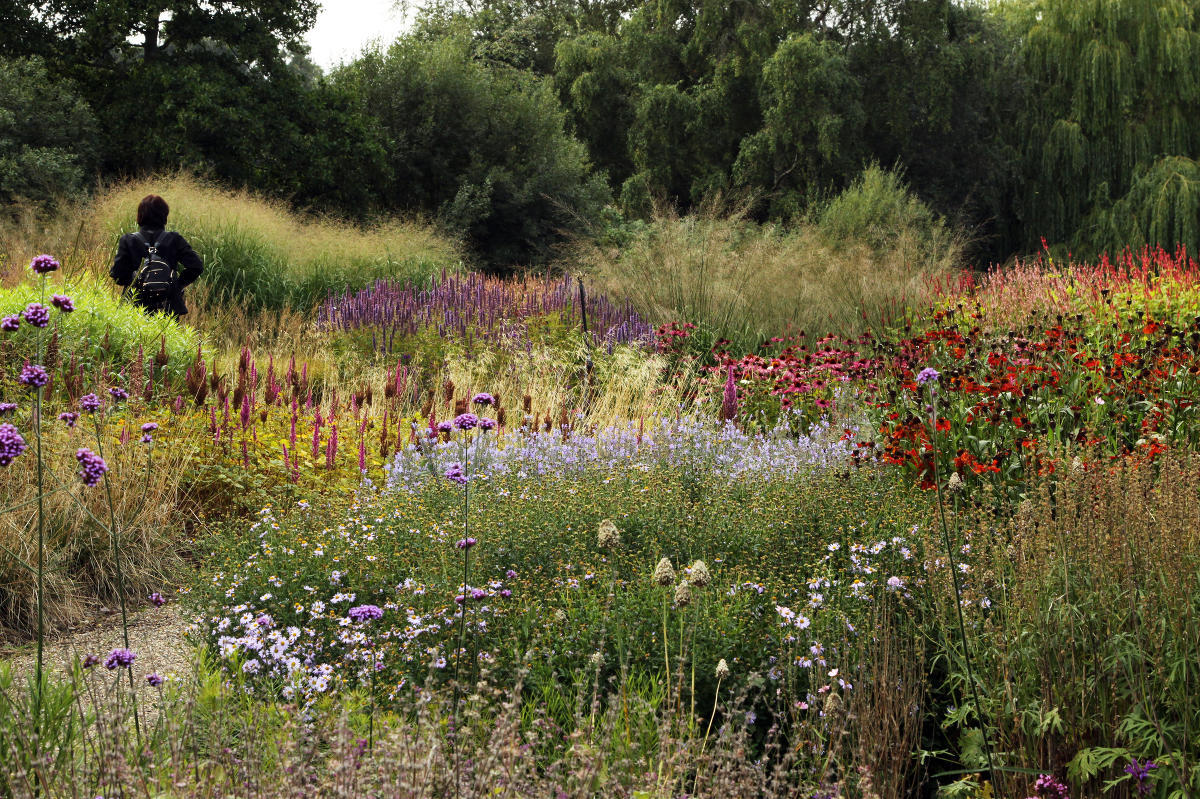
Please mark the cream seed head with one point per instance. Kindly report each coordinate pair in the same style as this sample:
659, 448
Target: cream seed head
955, 483
722, 669
608, 536
699, 575
683, 594
664, 572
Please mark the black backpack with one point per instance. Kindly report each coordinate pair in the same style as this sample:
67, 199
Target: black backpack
154, 275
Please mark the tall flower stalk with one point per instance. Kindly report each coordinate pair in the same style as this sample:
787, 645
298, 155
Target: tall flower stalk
928, 378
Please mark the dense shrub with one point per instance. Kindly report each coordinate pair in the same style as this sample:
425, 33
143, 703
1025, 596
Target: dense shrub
46, 134
482, 148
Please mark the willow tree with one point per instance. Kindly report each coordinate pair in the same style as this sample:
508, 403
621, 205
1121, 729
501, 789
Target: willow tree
1116, 87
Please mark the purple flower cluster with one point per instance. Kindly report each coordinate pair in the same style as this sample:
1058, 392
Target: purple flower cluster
11, 444
44, 264
10, 324
119, 658
366, 613
91, 661
154, 680
147, 429
63, 303
927, 375
455, 474
92, 467
466, 421
37, 314
7, 407
477, 307
484, 399
465, 543
69, 418
1047, 786
157, 600
34, 376
89, 403
1140, 771
118, 393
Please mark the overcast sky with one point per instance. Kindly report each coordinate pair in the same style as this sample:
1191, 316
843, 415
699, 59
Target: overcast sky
344, 27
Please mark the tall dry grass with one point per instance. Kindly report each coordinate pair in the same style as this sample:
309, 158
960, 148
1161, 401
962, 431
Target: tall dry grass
859, 259
148, 497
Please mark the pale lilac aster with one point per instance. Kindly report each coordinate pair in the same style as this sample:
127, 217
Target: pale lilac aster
11, 444
10, 324
63, 303
37, 314
92, 467
120, 658
466, 421
44, 264
89, 403
34, 376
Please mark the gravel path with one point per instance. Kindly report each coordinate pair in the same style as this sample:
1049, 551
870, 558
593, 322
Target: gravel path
156, 636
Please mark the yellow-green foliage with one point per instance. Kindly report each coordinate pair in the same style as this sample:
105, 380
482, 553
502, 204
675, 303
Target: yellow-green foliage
260, 253
101, 329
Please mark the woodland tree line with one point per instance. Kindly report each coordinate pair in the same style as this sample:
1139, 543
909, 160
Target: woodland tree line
522, 123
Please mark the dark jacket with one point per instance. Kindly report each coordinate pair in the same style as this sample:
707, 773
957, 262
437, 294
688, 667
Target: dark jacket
175, 250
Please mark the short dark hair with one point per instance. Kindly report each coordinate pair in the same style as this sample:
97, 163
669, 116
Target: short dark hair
152, 211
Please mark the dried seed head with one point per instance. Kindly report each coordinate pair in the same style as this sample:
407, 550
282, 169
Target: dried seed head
955, 483
560, 616
722, 669
699, 575
683, 594
608, 536
664, 572
1077, 465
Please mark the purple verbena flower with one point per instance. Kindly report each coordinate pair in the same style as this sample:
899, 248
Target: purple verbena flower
63, 303
69, 418
44, 264
154, 679
89, 403
92, 466
927, 375
445, 427
7, 407
119, 658
37, 314
465, 543
118, 393
466, 421
455, 474
34, 376
510, 574
11, 444
366, 613
157, 600
10, 324
505, 593
487, 424
90, 661
483, 398
478, 593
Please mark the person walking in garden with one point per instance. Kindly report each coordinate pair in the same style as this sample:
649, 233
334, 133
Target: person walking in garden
154, 264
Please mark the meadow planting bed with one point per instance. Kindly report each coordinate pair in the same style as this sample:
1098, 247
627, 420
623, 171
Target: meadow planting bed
453, 544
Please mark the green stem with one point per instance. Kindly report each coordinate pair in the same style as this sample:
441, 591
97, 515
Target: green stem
962, 627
